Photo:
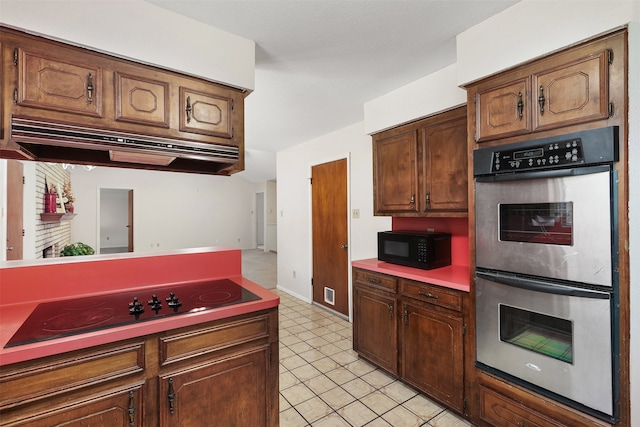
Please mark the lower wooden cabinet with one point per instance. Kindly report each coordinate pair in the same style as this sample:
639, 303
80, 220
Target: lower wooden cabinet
432, 352
413, 330
375, 334
219, 373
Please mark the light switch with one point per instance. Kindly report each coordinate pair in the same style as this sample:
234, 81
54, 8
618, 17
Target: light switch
355, 213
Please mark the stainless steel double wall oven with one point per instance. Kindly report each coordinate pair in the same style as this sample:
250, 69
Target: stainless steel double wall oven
546, 282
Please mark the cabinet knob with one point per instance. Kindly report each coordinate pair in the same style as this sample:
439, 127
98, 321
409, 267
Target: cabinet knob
413, 199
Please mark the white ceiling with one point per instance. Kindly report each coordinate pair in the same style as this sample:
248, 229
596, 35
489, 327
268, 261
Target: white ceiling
319, 61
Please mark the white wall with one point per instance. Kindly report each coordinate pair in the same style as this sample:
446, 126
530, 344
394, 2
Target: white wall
170, 210
135, 29
294, 204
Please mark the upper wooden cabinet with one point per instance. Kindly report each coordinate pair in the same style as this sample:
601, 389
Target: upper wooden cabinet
47, 80
420, 169
568, 88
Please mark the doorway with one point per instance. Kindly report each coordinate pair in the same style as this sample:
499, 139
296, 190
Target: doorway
260, 220
116, 220
329, 217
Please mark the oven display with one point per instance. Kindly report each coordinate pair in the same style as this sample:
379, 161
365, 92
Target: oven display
528, 154
546, 223
540, 333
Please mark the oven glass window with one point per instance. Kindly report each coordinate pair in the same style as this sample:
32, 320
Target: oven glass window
543, 334
548, 223
397, 249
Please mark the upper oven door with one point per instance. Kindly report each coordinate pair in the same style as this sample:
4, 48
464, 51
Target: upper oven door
552, 226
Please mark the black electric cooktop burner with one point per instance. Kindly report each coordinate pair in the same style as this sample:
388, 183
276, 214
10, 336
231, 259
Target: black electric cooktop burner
58, 319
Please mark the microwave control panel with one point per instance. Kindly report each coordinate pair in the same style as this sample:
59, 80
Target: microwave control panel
559, 153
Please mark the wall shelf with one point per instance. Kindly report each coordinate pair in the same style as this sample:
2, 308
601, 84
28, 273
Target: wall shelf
56, 217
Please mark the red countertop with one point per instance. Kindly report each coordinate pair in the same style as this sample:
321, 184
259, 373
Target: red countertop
453, 276
24, 285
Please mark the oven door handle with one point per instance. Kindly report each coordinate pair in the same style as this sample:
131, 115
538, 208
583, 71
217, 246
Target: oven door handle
541, 286
541, 174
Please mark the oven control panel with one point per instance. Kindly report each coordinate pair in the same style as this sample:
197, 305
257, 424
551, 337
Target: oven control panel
559, 153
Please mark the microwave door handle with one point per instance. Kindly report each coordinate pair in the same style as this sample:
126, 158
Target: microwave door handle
540, 286
557, 173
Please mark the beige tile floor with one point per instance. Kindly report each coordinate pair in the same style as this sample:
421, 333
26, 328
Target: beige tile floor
324, 383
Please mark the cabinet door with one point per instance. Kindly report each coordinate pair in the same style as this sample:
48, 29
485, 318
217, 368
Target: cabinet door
114, 408
501, 411
395, 173
206, 113
432, 353
503, 111
445, 167
573, 93
219, 393
142, 100
59, 83
375, 328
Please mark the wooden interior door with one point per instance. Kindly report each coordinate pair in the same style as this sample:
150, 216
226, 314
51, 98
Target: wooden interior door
330, 235
15, 198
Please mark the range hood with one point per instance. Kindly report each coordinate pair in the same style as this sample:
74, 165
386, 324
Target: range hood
54, 141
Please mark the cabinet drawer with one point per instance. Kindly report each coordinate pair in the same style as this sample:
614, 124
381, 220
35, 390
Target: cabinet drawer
192, 342
502, 411
30, 381
375, 280
436, 295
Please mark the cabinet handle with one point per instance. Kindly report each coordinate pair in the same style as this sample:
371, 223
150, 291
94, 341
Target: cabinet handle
413, 199
171, 396
522, 424
427, 199
391, 311
405, 317
520, 105
428, 294
541, 100
374, 280
90, 89
132, 409
188, 109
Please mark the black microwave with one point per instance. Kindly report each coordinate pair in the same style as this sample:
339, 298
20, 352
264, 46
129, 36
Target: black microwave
426, 250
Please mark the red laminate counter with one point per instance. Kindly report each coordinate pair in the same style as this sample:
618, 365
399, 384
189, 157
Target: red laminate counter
23, 285
453, 276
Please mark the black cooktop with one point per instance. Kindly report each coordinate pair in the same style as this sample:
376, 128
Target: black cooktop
58, 319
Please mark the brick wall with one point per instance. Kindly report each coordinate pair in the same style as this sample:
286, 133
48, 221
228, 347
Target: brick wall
54, 234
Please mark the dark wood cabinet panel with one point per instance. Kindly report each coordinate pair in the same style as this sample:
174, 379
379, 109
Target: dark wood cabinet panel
573, 93
220, 393
420, 169
142, 100
445, 168
432, 353
504, 110
375, 330
501, 411
206, 113
55, 81
395, 173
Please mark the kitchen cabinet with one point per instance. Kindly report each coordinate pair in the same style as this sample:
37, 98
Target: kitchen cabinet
432, 355
503, 405
564, 89
413, 330
420, 169
79, 89
375, 332
218, 373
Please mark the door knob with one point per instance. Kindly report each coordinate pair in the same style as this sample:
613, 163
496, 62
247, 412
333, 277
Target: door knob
10, 248
344, 246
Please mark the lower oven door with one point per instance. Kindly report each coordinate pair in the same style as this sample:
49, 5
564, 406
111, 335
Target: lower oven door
552, 337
